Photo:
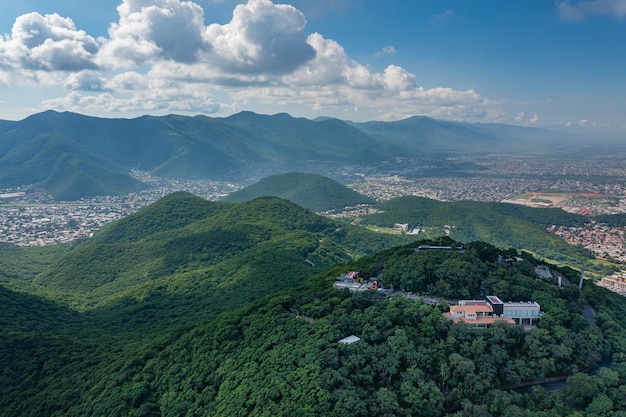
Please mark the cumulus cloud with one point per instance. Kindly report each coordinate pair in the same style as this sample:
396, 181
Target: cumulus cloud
48, 43
161, 57
151, 30
86, 81
261, 37
327, 67
581, 9
163, 99
396, 79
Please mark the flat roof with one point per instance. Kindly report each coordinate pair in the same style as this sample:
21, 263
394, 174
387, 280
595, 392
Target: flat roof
521, 304
473, 303
494, 299
349, 340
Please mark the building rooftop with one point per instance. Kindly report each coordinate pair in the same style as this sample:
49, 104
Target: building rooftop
350, 340
472, 308
494, 299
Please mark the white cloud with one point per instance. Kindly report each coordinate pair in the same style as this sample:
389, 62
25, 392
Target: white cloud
396, 79
581, 9
448, 14
520, 116
585, 123
160, 57
151, 30
534, 118
47, 43
262, 37
387, 50
86, 81
161, 100
327, 66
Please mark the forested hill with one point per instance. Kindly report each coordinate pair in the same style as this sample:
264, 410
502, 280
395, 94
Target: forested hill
281, 355
221, 255
501, 224
312, 191
614, 220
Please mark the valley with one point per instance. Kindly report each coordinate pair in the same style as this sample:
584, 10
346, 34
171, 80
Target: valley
36, 218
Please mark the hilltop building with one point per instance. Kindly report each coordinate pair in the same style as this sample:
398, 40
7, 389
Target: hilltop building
484, 313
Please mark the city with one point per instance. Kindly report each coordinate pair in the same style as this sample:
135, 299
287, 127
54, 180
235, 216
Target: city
34, 219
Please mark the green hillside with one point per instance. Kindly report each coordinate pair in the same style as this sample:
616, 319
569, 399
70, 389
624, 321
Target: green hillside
312, 191
221, 254
281, 355
65, 168
503, 225
614, 220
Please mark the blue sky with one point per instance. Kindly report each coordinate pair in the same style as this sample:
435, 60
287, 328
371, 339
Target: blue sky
542, 63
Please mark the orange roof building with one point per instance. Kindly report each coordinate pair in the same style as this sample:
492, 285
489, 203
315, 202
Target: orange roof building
484, 313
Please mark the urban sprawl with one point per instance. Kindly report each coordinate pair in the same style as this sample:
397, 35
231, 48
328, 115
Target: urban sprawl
595, 186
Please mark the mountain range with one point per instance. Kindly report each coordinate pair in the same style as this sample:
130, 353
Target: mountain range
75, 156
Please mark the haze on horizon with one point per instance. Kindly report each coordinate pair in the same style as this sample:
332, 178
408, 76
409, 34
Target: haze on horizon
536, 63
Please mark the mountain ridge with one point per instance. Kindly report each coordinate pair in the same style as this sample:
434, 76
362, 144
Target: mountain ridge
196, 147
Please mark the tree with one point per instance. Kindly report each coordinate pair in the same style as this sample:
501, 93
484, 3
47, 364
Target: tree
580, 391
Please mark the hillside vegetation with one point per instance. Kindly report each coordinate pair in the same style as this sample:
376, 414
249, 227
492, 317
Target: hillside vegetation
222, 255
312, 191
503, 225
281, 356
77, 156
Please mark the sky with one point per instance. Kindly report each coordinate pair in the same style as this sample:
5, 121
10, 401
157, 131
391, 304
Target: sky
544, 63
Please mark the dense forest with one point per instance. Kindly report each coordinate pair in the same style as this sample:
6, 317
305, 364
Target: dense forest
154, 317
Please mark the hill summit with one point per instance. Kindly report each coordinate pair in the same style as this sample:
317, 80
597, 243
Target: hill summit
312, 191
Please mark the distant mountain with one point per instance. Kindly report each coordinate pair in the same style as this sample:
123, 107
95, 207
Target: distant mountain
500, 224
283, 138
88, 155
438, 138
77, 156
312, 191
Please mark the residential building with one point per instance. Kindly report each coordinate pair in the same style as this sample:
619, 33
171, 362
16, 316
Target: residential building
484, 313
